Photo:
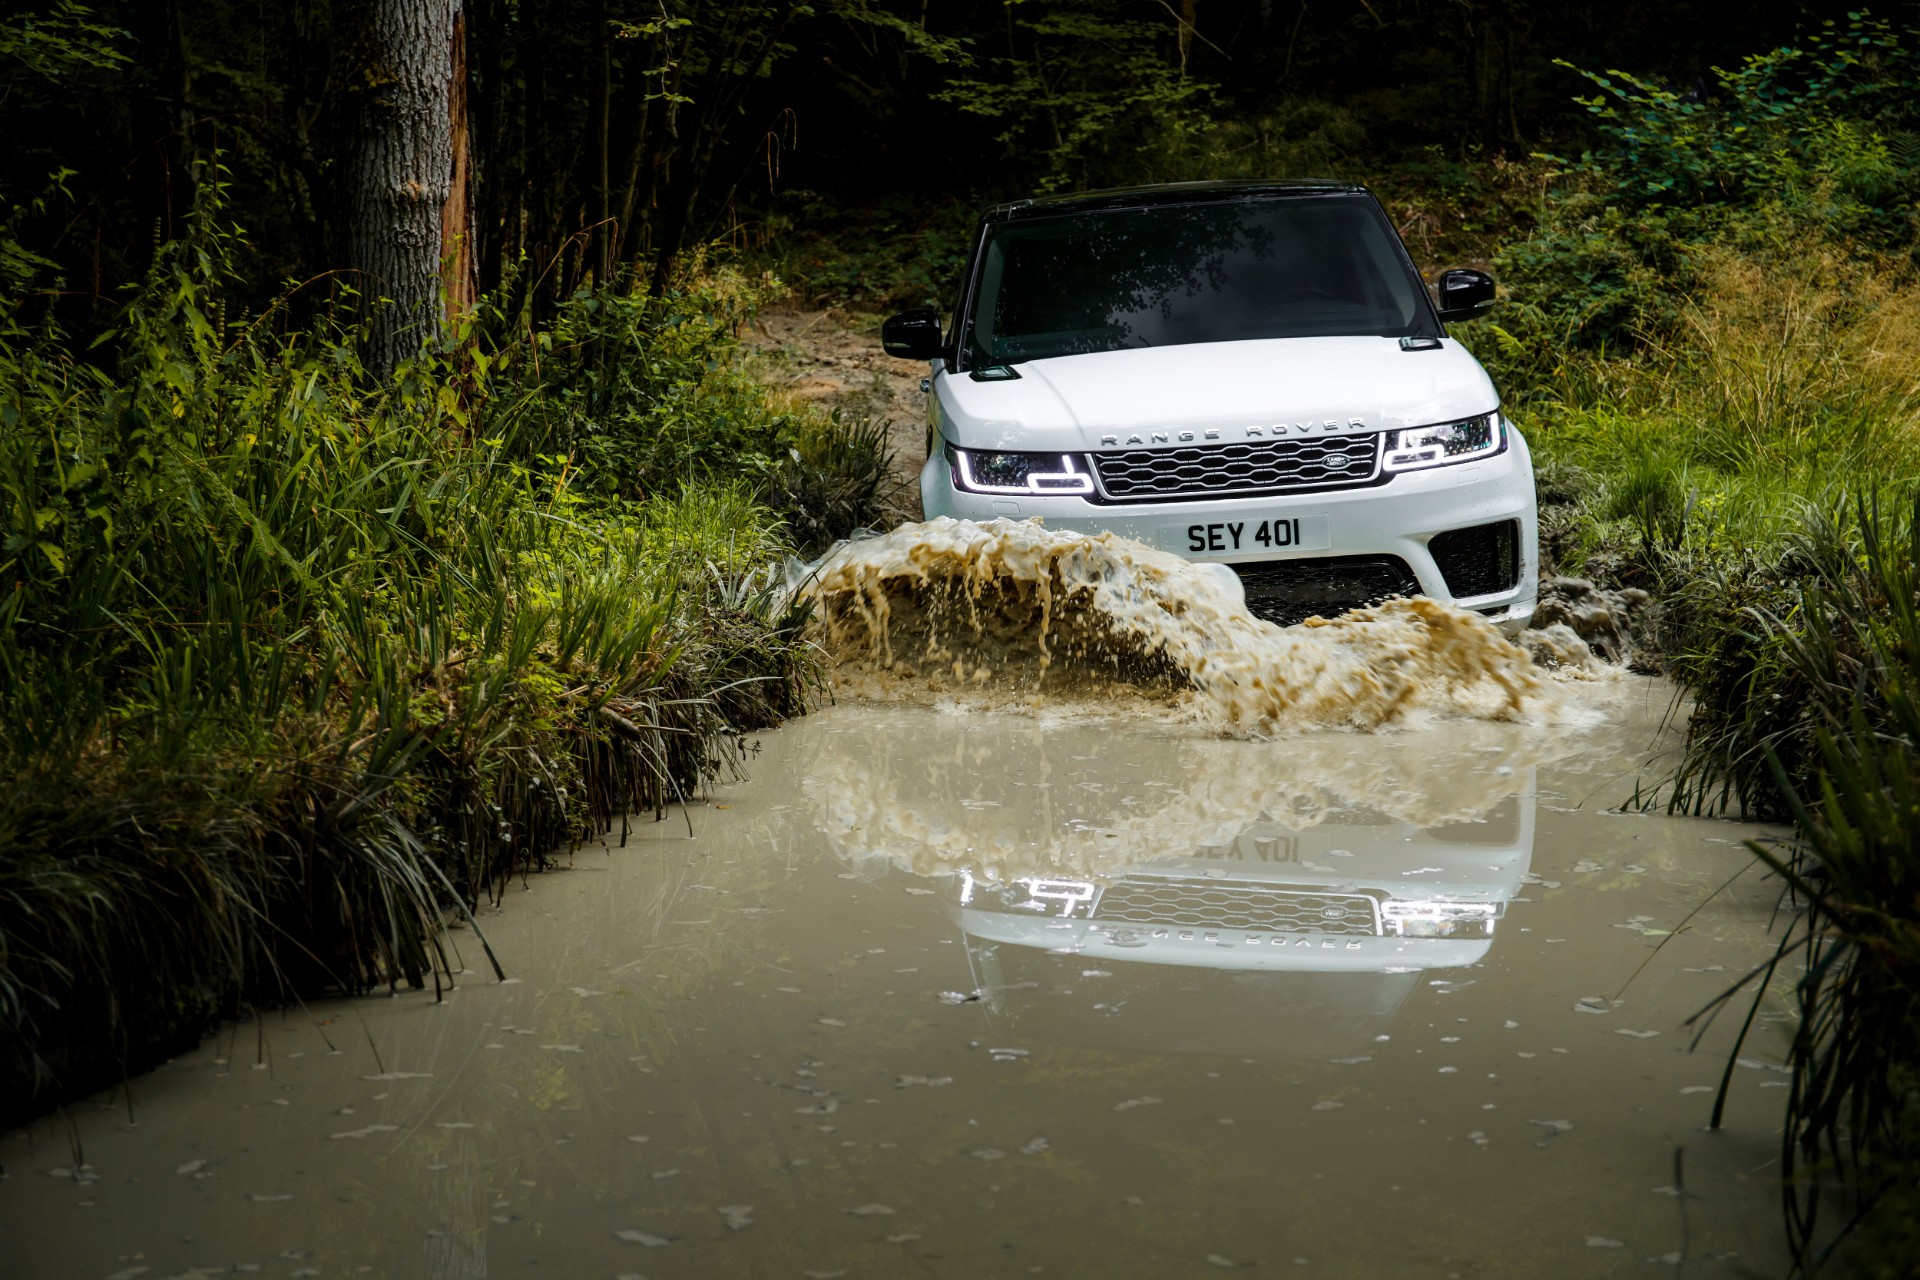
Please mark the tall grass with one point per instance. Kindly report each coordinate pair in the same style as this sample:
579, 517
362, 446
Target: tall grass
294, 667
1846, 765
1788, 364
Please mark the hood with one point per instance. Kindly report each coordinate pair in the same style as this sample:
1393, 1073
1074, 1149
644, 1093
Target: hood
1076, 402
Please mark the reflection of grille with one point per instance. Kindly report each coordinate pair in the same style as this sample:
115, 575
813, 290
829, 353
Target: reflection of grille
1214, 904
1257, 466
1285, 591
1479, 561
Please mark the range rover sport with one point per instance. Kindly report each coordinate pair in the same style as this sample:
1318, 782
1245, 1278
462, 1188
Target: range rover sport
1250, 375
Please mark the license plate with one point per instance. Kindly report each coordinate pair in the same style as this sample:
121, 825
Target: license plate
1281, 533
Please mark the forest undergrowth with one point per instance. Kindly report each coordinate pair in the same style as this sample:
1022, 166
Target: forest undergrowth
298, 667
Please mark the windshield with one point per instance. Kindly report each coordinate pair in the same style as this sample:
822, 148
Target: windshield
1217, 272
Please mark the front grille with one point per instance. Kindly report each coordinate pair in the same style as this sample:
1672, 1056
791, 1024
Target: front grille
1239, 470
1214, 904
1479, 561
1286, 591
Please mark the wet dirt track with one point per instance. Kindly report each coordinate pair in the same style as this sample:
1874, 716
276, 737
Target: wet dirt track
957, 994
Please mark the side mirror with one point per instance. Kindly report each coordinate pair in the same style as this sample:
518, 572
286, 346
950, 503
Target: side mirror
1465, 294
913, 335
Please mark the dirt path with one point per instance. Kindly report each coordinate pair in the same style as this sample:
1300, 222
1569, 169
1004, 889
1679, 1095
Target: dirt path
833, 359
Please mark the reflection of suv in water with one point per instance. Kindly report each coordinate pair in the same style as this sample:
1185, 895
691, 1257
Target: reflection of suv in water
1249, 374
1290, 943
1345, 895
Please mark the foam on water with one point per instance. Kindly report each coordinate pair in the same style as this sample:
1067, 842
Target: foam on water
951, 604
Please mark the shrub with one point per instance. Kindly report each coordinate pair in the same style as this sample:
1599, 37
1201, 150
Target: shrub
643, 395
294, 667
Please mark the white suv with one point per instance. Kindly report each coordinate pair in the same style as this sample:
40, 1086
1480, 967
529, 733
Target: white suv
1247, 374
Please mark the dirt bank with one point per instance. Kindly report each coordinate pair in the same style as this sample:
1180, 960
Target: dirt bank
833, 358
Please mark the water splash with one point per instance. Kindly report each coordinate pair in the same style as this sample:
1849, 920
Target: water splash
952, 604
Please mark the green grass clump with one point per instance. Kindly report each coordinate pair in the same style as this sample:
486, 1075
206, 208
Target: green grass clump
1839, 676
295, 668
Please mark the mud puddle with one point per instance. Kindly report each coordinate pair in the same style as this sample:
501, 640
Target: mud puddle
968, 994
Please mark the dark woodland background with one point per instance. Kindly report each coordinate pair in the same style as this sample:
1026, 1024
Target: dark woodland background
609, 131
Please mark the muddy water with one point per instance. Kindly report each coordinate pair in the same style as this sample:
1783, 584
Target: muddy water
1001, 607
966, 993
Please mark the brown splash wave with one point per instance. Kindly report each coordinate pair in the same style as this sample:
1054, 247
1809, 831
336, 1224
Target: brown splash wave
955, 604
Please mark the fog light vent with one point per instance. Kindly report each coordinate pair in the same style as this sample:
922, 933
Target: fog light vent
1479, 561
1286, 591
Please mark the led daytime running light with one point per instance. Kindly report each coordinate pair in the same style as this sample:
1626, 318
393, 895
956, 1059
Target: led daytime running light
1069, 479
1416, 448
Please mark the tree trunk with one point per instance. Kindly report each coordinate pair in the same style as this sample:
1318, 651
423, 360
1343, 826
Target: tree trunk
459, 269
401, 169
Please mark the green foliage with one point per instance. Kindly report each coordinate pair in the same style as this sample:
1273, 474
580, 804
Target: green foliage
1812, 121
293, 668
1089, 88
892, 253
40, 53
1810, 143
633, 395
1839, 668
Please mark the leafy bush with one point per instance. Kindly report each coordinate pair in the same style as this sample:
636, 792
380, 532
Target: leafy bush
887, 254
1088, 88
1807, 144
1816, 122
643, 395
293, 667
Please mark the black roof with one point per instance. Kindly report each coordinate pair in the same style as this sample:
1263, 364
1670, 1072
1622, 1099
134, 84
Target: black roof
1171, 193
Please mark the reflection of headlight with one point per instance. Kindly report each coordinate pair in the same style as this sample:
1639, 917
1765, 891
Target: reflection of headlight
978, 471
1435, 446
1439, 919
1045, 895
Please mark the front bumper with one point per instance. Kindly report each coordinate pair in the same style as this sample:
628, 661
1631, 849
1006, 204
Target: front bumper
1399, 518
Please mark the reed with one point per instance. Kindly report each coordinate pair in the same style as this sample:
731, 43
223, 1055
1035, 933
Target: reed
1849, 775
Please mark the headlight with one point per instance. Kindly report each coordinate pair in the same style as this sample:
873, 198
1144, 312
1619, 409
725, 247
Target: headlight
1463, 441
1439, 919
979, 471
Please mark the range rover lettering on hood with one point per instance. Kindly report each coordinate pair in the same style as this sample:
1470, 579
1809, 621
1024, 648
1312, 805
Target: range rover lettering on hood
1268, 431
